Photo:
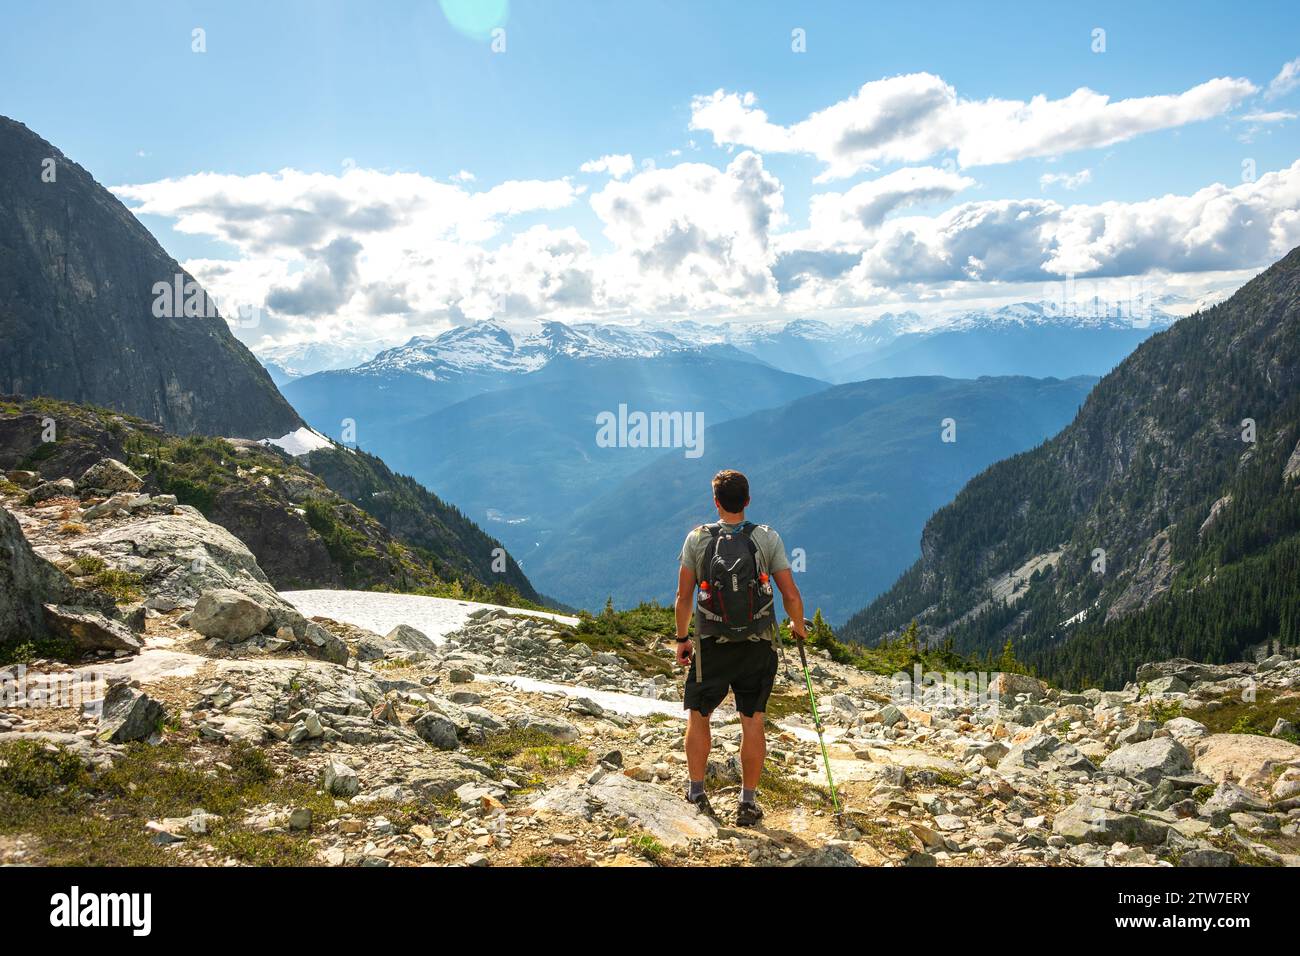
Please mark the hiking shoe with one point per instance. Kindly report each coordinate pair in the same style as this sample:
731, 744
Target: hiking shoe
748, 814
701, 803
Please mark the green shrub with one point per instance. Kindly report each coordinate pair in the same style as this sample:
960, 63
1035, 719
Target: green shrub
34, 770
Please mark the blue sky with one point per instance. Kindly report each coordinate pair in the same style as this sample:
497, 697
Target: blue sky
393, 87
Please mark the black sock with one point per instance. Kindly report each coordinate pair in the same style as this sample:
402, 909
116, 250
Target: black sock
748, 796
696, 789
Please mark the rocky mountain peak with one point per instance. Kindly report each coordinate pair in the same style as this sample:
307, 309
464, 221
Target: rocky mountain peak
88, 311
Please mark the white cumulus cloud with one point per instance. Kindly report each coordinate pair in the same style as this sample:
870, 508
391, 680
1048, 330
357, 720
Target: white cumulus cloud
1218, 228
910, 118
616, 166
692, 236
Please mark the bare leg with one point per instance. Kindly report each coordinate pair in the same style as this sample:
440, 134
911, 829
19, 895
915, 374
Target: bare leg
698, 741
753, 749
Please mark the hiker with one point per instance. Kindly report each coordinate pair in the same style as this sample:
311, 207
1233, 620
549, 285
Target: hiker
735, 563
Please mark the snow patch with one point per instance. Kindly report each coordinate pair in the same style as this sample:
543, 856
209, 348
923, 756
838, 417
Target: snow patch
381, 612
631, 705
300, 442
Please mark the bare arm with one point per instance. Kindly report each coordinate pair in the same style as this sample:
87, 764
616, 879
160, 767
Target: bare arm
682, 611
791, 600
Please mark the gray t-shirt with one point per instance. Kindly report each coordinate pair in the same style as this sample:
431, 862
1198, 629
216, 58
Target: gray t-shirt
771, 552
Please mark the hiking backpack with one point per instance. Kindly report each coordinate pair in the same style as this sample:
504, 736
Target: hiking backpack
735, 594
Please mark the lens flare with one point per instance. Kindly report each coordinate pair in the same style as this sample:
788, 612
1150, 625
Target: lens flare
475, 18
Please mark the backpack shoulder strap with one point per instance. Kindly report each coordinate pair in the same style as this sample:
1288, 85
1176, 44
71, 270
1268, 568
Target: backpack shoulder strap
710, 548
747, 529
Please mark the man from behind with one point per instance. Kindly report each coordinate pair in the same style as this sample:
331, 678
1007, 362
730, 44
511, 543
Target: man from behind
735, 564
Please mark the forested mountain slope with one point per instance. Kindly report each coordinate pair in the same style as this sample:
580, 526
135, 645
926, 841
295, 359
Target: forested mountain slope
333, 518
1180, 472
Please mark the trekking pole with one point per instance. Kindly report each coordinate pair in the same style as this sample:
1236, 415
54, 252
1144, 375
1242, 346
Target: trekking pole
817, 724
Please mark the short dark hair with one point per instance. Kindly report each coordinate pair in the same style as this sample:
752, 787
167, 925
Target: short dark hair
731, 488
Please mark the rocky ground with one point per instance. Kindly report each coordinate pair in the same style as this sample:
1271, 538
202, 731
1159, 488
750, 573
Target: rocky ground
235, 730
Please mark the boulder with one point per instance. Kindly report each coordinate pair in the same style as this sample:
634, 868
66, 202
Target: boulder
128, 715
1029, 754
46, 490
1189, 671
563, 731
1245, 759
1206, 856
1228, 798
1168, 684
322, 644
1029, 714
1149, 760
438, 730
183, 555
27, 583
1136, 733
1185, 730
659, 811
1086, 822
1287, 786
483, 795
109, 475
831, 856
585, 706
232, 728
117, 504
1007, 685
228, 615
1176, 789
89, 629
339, 779
412, 639
890, 716
24, 479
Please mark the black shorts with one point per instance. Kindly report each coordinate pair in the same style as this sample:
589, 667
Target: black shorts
746, 667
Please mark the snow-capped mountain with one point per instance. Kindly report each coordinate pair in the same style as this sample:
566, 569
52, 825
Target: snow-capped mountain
1091, 313
486, 352
1038, 339
806, 346
489, 347
304, 358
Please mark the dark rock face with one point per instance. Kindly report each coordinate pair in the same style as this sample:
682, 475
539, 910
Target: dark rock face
27, 582
77, 279
90, 630
286, 548
129, 715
